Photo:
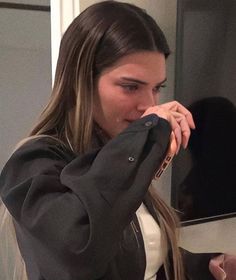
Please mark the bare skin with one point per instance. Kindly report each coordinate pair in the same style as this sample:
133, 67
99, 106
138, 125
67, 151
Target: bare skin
130, 90
223, 267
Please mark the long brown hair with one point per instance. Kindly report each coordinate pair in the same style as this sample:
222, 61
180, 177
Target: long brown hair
95, 40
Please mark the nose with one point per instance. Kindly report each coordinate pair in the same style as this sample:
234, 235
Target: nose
146, 100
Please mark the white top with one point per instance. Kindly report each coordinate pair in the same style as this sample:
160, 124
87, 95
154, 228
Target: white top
152, 242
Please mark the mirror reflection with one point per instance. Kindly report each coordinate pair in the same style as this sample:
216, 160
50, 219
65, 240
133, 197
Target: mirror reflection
203, 177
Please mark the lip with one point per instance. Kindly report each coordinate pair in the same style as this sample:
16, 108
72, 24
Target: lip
130, 121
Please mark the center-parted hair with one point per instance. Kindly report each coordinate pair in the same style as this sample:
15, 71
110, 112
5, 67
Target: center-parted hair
95, 40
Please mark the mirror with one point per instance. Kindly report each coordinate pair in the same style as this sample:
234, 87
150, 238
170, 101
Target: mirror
203, 177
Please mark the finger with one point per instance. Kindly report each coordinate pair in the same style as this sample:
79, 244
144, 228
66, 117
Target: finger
184, 126
166, 114
163, 113
175, 106
173, 144
160, 112
185, 133
190, 120
229, 266
216, 269
177, 132
178, 138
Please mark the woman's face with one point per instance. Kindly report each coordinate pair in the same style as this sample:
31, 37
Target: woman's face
125, 90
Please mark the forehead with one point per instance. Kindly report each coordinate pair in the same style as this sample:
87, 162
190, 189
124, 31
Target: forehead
143, 65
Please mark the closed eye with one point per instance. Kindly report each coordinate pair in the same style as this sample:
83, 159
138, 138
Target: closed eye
158, 88
130, 87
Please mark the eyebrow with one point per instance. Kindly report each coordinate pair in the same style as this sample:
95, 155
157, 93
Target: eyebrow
130, 79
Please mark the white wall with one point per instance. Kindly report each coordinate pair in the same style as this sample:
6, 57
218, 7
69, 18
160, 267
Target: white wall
215, 236
25, 73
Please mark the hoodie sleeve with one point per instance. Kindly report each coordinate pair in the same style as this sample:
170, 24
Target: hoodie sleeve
74, 212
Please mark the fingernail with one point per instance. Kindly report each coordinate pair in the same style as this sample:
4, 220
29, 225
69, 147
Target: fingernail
223, 273
177, 151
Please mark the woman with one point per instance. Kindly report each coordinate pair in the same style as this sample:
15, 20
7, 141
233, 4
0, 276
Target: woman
78, 188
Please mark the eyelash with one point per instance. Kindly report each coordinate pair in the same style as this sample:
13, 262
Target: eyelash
130, 88
133, 88
158, 89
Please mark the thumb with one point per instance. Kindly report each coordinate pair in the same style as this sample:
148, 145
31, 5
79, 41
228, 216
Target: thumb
215, 267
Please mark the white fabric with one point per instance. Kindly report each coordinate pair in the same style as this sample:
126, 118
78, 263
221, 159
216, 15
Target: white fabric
152, 242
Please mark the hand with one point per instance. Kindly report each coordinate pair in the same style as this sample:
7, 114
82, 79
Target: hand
223, 267
179, 117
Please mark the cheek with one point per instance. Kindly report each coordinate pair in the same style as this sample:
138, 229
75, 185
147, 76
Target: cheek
114, 102
123, 107
116, 110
